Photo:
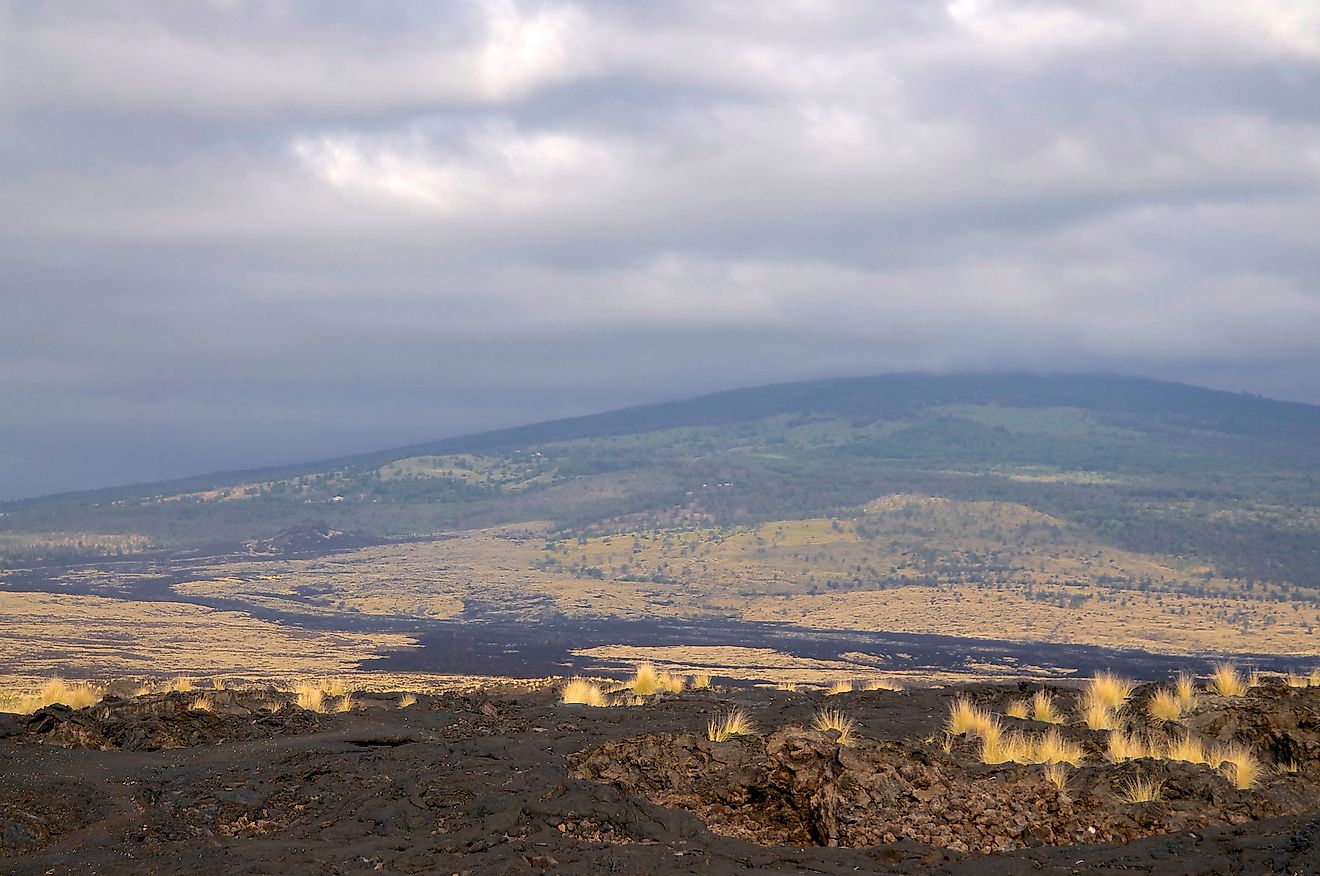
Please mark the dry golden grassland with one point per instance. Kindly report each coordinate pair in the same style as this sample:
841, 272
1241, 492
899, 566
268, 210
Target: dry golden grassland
993, 573
80, 636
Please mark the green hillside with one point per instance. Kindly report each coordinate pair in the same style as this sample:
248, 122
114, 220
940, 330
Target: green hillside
1229, 480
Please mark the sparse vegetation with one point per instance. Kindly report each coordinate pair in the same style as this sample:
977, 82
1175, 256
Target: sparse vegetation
1122, 747
1239, 766
1226, 681
965, 717
1165, 705
579, 691
839, 687
1095, 714
1044, 710
1185, 685
1109, 690
1187, 748
1057, 775
882, 684
54, 692
1017, 708
408, 700
826, 720
1141, 790
724, 727
701, 681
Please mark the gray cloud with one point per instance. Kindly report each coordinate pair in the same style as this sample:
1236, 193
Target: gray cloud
245, 233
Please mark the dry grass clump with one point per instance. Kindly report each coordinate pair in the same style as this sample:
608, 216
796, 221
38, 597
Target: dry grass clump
1185, 685
57, 692
309, 696
701, 681
965, 717
725, 727
345, 704
1187, 748
1145, 790
408, 700
1296, 679
1165, 705
1239, 766
1050, 747
839, 687
1314, 677
1044, 710
788, 686
578, 691
882, 684
1129, 746
832, 719
334, 687
1057, 775
1227, 681
182, 684
646, 682
1109, 689
203, 704
1017, 709
1096, 714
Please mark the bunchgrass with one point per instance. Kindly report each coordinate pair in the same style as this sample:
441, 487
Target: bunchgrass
1017, 709
1057, 775
826, 720
581, 692
1185, 685
701, 681
646, 682
1141, 790
966, 717
310, 696
1096, 714
839, 687
1043, 709
57, 691
1110, 689
1165, 705
1239, 766
724, 727
1052, 747
1122, 746
882, 684
1227, 681
203, 704
1187, 748
408, 700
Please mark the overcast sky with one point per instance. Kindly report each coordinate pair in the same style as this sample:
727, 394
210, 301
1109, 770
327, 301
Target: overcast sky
236, 233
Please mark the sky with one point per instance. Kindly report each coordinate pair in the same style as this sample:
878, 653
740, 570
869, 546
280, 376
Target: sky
244, 233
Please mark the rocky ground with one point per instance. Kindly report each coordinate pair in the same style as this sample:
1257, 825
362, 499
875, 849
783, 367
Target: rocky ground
511, 781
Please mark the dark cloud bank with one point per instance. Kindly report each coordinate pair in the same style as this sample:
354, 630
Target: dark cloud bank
242, 233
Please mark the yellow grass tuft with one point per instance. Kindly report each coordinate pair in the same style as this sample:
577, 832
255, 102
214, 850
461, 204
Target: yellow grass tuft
1227, 681
832, 719
1185, 685
788, 686
182, 684
646, 682
964, 717
1096, 714
408, 700
882, 684
1044, 710
701, 681
673, 683
203, 704
1296, 679
1314, 677
1165, 705
1254, 678
1057, 775
59, 692
839, 687
1017, 709
310, 696
1051, 747
1239, 766
1129, 746
334, 687
581, 692
1000, 747
1145, 790
1110, 689
1187, 748
345, 704
734, 723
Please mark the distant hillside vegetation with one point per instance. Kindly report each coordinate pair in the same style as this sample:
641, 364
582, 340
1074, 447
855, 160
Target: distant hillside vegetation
1228, 480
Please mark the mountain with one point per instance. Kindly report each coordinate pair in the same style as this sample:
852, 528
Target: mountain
1228, 480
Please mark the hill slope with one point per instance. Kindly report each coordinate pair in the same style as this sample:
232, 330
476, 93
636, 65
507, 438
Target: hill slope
1229, 480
